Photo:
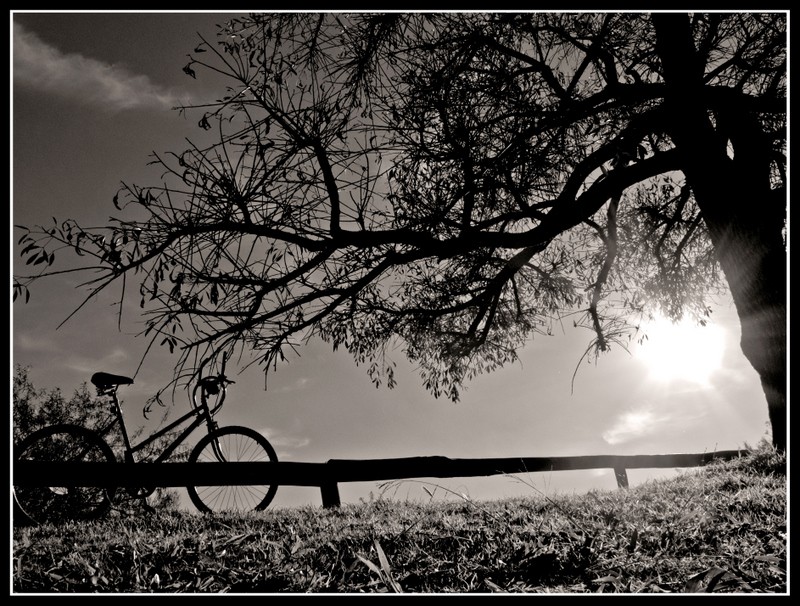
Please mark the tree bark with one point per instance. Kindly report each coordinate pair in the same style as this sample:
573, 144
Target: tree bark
744, 215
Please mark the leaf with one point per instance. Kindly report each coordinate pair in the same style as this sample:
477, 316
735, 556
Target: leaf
236, 539
28, 248
769, 558
704, 582
393, 585
189, 71
371, 566
610, 578
634, 538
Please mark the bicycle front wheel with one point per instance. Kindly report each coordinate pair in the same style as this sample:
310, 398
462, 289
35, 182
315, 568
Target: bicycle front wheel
63, 443
232, 445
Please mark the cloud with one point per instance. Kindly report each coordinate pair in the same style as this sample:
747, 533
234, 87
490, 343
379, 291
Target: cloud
660, 417
284, 444
634, 424
43, 67
297, 385
114, 359
28, 343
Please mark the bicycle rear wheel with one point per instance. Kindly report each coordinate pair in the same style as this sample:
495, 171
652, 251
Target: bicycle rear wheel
63, 443
230, 445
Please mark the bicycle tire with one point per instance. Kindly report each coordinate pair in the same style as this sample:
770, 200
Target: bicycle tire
237, 444
62, 443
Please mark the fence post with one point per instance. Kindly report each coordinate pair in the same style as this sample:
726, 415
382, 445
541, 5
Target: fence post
622, 477
330, 495
330, 487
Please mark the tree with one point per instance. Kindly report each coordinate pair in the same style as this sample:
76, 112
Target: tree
35, 408
455, 183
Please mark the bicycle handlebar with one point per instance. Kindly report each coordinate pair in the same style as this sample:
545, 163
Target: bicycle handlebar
213, 383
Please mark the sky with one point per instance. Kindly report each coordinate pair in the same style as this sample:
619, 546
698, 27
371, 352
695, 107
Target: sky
92, 97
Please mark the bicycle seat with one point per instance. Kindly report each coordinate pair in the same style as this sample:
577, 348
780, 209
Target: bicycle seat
104, 380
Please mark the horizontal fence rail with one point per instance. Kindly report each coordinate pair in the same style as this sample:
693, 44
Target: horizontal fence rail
328, 475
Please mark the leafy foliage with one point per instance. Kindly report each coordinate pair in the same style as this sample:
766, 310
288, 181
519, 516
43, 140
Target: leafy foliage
447, 184
36, 408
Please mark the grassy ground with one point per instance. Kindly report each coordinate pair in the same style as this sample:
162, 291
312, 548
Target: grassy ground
717, 529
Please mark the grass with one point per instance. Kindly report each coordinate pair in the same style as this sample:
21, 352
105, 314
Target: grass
718, 529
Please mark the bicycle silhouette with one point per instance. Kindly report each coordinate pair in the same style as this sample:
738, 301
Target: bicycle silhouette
74, 443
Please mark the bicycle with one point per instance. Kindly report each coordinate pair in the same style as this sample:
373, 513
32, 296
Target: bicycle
74, 443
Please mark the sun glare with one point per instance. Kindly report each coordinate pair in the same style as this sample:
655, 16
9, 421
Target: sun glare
684, 351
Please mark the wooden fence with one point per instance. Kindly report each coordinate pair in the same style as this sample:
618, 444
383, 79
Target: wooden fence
327, 476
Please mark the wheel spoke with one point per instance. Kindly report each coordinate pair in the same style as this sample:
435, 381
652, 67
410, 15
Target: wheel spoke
61, 443
233, 444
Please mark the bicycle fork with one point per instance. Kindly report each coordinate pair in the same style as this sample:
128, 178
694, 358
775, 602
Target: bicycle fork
216, 447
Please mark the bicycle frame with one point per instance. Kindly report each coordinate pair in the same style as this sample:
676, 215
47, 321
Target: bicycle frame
71, 443
201, 412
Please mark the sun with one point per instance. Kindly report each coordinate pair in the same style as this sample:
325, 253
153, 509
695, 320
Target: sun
682, 351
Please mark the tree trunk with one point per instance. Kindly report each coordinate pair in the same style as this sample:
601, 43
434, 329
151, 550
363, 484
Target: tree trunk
744, 215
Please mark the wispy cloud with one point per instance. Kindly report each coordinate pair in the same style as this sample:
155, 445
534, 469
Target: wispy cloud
285, 444
116, 358
297, 385
649, 418
634, 424
28, 343
45, 68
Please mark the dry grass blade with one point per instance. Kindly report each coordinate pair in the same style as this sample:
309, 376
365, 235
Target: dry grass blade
634, 539
236, 539
708, 580
371, 565
391, 582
